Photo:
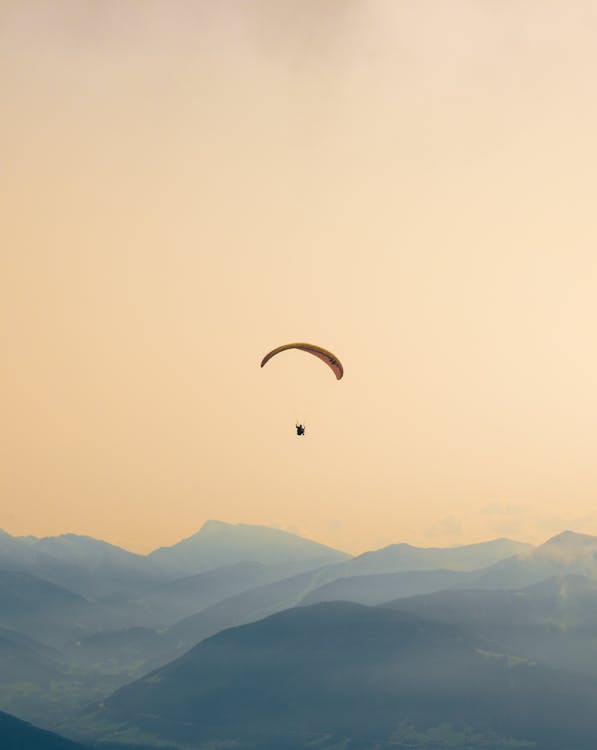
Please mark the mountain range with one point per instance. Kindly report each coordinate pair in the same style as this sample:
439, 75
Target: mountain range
343, 675
218, 543
527, 622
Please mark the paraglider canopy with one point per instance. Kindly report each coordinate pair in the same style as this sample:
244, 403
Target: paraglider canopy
317, 351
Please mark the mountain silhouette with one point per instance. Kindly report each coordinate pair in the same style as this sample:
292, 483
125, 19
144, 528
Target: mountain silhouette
343, 675
403, 558
86, 566
566, 553
41, 609
553, 622
376, 589
218, 543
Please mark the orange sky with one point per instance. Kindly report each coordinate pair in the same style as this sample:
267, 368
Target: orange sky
186, 185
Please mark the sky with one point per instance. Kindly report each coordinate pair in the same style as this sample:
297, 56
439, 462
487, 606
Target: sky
185, 185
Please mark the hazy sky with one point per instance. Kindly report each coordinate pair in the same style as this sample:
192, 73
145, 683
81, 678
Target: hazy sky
185, 185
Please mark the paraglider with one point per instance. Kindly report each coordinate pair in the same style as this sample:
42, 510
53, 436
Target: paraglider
317, 351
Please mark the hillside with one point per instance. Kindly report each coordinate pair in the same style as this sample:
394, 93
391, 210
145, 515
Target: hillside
20, 735
343, 675
564, 554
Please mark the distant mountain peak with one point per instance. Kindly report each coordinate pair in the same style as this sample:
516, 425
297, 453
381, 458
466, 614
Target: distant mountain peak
219, 543
568, 538
212, 524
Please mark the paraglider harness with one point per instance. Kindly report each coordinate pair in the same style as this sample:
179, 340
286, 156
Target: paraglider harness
300, 429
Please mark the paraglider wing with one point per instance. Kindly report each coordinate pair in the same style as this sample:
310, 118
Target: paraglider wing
317, 351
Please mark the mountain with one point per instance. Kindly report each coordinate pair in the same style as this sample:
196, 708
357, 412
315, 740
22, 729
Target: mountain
24, 660
38, 682
218, 543
218, 599
20, 735
136, 650
52, 614
397, 558
260, 601
345, 676
249, 606
566, 553
40, 609
15, 553
28, 670
376, 589
182, 597
553, 622
87, 566
22, 594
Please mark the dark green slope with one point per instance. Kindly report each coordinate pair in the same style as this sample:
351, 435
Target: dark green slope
20, 735
343, 673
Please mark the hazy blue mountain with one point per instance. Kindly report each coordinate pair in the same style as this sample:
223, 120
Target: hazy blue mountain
52, 614
397, 558
45, 686
218, 599
237, 610
182, 597
20, 735
375, 589
218, 543
40, 609
341, 675
162, 605
554, 621
566, 553
36, 682
16, 553
256, 603
136, 650
92, 568
25, 594
25, 660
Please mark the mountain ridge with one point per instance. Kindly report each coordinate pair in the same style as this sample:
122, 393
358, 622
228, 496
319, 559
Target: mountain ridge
344, 675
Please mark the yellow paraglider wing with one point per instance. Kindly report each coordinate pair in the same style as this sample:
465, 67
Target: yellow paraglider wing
317, 351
